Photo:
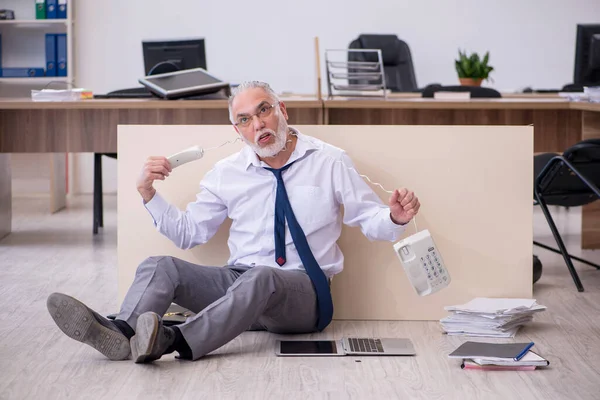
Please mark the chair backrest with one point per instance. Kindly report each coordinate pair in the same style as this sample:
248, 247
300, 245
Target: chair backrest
476, 91
397, 60
559, 185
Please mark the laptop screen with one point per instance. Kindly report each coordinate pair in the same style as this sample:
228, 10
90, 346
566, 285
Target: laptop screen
308, 347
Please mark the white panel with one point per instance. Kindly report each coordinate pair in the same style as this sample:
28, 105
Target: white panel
483, 233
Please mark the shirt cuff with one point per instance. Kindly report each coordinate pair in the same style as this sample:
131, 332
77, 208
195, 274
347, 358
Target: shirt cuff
157, 207
390, 226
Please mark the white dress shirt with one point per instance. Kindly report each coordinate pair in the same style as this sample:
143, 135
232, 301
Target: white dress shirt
318, 183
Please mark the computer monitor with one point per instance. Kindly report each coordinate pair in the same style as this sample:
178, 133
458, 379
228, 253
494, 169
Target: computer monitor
162, 56
587, 55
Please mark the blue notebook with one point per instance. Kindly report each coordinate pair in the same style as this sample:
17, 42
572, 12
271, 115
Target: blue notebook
492, 351
61, 54
61, 11
51, 9
51, 54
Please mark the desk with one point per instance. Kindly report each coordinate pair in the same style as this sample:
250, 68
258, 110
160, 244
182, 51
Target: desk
91, 125
556, 126
557, 123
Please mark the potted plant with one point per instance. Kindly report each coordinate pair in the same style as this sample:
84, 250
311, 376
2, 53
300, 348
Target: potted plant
471, 69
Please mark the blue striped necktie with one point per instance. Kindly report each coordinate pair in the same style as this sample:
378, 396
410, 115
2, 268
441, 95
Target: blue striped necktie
283, 211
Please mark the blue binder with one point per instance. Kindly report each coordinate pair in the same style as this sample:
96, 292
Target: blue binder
62, 9
50, 54
22, 72
51, 9
61, 54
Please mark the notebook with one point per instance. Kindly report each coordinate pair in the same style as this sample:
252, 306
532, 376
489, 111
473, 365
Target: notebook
492, 351
529, 359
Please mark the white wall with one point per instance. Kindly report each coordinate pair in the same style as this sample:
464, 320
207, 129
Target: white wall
273, 41
531, 42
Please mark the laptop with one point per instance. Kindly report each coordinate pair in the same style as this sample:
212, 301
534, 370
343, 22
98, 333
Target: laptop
349, 346
189, 82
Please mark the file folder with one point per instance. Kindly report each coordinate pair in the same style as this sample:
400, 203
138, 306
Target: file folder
50, 54
61, 54
62, 9
22, 72
40, 9
492, 351
51, 11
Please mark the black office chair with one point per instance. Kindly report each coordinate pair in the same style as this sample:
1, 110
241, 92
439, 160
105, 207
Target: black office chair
567, 180
98, 215
397, 60
572, 88
476, 91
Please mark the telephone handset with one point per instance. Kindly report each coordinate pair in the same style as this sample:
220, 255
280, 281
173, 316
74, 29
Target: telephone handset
423, 263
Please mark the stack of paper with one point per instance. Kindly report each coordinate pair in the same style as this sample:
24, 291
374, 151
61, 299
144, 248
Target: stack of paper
74, 94
490, 317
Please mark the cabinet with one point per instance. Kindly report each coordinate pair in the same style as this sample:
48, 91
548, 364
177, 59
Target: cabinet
23, 45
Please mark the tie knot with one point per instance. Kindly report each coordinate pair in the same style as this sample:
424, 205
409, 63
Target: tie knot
277, 172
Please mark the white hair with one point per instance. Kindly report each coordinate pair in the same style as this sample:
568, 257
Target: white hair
250, 85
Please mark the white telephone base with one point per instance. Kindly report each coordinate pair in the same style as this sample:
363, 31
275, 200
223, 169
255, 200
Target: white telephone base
185, 156
423, 263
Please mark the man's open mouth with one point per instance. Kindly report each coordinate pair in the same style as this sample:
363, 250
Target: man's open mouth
264, 138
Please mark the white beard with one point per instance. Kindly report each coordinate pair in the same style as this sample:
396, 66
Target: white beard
275, 148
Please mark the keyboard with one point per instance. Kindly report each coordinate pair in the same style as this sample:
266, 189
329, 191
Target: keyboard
143, 93
365, 345
130, 93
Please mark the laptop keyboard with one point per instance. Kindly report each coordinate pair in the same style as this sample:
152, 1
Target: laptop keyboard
365, 345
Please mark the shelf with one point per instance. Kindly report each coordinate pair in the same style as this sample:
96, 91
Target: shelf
24, 46
37, 79
34, 22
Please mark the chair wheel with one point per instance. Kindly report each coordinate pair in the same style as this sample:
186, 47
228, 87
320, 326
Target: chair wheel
537, 269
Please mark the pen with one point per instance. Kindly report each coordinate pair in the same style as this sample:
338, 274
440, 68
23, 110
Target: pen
525, 350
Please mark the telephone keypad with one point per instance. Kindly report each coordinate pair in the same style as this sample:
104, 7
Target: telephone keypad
433, 275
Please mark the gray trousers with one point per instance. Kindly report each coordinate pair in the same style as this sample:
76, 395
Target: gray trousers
228, 300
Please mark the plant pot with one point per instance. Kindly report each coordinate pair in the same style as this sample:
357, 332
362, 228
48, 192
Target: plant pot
470, 81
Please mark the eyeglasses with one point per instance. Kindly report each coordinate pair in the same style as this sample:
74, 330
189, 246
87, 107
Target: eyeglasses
264, 111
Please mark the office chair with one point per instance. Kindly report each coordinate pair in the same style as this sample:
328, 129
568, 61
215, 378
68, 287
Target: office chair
397, 60
476, 91
98, 215
567, 180
572, 88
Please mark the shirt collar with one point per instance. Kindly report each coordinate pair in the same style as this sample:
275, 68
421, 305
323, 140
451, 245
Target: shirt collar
304, 146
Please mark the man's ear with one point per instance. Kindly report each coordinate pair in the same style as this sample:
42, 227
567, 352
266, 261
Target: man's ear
283, 110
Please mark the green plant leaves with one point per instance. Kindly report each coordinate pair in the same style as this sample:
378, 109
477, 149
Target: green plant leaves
472, 66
